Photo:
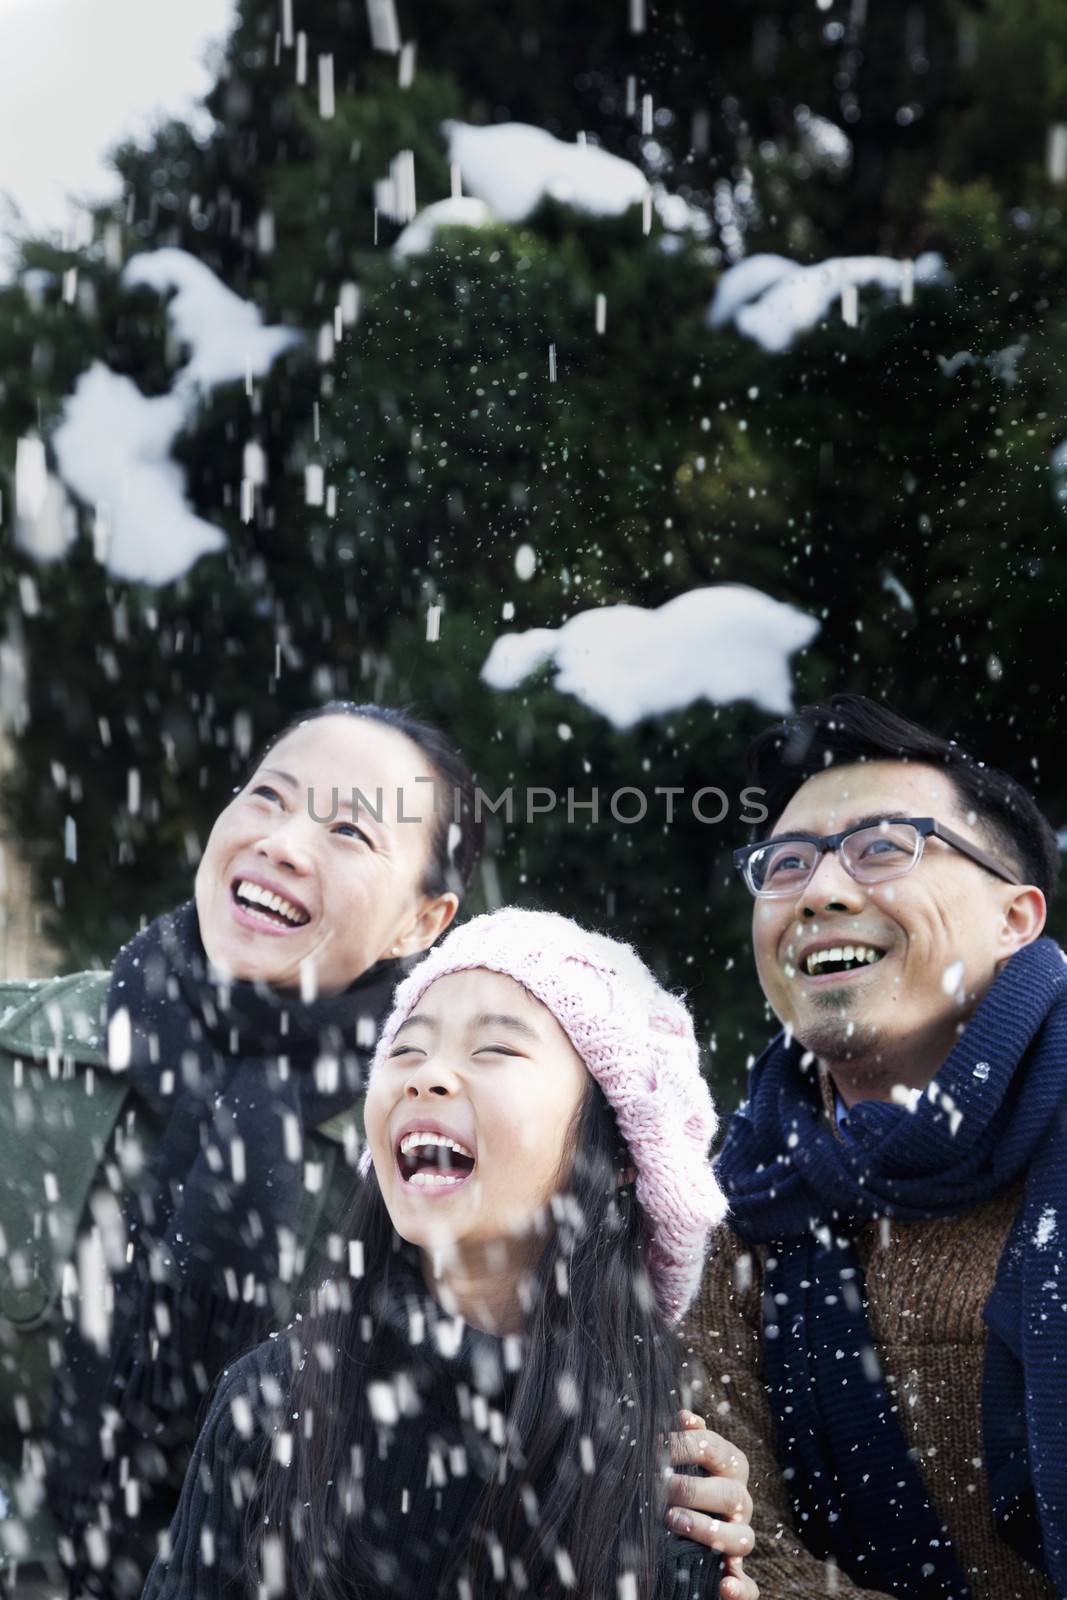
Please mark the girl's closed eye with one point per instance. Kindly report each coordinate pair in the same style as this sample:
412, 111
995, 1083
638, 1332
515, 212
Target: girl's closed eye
497, 1050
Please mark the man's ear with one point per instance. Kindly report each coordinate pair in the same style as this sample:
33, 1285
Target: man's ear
1024, 918
433, 918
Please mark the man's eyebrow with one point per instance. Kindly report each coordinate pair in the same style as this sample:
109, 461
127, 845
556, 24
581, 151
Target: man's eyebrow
872, 820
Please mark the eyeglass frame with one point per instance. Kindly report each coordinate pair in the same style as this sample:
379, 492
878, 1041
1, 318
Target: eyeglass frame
926, 827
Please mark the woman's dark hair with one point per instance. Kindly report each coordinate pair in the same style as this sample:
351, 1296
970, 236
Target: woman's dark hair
600, 1372
458, 827
851, 728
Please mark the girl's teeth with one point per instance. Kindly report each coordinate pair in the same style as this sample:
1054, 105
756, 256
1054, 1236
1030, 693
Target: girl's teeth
433, 1179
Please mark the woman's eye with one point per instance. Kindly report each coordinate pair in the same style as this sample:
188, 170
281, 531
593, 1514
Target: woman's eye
265, 789
403, 1050
348, 830
496, 1050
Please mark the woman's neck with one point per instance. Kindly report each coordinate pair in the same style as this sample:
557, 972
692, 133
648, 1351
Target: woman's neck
485, 1288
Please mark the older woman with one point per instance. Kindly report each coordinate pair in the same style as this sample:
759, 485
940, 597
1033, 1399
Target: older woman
243, 1022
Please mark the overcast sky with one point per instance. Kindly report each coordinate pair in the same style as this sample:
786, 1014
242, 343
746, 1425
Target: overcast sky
78, 75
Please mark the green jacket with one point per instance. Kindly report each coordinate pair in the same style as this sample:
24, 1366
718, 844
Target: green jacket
64, 1117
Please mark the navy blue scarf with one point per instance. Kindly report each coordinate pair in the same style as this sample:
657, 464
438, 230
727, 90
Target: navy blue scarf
995, 1115
237, 1074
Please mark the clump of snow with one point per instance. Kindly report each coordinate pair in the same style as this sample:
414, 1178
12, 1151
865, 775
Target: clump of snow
1046, 1228
772, 299
508, 168
723, 644
113, 444
113, 449
513, 166
461, 211
225, 334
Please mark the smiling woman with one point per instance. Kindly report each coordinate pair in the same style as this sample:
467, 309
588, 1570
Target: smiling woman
300, 889
239, 1030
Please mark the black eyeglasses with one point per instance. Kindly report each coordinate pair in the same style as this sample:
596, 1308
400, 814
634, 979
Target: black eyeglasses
869, 852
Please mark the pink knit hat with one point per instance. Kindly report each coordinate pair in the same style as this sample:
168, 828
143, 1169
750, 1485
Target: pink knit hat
637, 1041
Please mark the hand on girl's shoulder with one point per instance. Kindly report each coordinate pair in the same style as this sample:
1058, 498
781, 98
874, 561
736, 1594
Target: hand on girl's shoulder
689, 1571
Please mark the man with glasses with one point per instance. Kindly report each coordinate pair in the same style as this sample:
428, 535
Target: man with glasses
884, 1322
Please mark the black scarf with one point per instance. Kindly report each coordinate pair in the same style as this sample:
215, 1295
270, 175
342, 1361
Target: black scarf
237, 1074
995, 1114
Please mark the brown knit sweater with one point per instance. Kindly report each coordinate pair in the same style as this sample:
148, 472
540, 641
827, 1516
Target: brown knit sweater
927, 1283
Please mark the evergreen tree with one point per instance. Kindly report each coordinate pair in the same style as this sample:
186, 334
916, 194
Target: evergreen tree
892, 480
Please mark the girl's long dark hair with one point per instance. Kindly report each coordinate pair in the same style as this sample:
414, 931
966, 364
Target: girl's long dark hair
579, 1496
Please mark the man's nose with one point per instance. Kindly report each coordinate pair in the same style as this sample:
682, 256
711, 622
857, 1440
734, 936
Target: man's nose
830, 888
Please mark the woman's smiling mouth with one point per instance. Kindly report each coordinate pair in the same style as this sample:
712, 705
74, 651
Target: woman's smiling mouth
258, 906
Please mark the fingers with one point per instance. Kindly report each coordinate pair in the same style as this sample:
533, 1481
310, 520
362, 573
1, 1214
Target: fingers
736, 1584
716, 1497
729, 1538
689, 1419
700, 1447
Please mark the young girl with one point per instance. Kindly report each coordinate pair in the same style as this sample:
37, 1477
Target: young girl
479, 1400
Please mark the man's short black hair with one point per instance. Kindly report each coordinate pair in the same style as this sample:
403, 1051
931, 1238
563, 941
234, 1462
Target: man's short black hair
851, 728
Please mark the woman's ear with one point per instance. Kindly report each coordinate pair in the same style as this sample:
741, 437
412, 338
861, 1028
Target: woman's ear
433, 918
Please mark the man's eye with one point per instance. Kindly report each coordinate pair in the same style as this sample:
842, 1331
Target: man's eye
882, 847
785, 863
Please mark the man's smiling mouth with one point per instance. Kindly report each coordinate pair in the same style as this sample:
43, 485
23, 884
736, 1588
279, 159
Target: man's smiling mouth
839, 958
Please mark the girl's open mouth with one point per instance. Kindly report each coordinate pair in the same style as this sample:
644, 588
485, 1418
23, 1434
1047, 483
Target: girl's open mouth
433, 1163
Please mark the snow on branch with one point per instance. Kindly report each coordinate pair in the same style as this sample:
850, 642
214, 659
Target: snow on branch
722, 644
113, 445
507, 169
771, 299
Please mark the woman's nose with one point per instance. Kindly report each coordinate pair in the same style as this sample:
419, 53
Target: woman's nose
288, 844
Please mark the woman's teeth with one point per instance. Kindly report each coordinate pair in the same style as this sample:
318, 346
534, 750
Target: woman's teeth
254, 897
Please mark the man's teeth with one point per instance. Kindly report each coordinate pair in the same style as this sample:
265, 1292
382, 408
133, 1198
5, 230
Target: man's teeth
270, 902
856, 954
417, 1141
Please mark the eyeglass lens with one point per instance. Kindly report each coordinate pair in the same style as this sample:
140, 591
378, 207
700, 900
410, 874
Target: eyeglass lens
870, 855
